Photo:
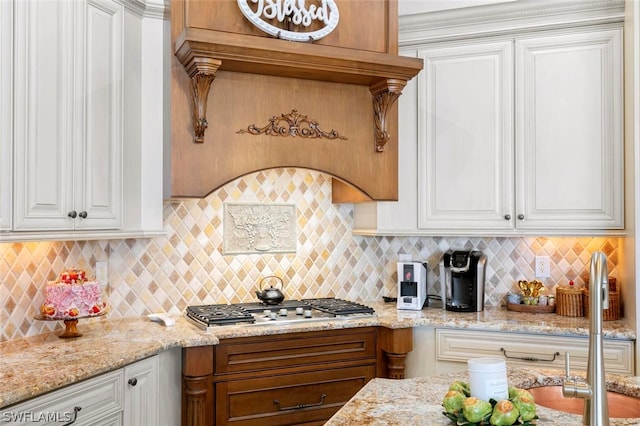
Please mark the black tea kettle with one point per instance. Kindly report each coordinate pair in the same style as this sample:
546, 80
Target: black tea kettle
271, 295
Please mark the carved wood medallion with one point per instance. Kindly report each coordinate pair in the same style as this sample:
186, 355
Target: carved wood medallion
292, 124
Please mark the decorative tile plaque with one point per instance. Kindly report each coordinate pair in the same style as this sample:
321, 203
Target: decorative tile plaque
259, 228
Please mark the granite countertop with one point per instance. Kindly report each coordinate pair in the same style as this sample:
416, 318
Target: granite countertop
34, 365
418, 401
495, 318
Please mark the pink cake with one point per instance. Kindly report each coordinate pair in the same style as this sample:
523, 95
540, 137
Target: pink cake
72, 296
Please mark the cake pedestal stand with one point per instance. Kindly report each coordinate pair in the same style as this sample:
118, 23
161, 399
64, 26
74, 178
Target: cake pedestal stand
71, 329
70, 324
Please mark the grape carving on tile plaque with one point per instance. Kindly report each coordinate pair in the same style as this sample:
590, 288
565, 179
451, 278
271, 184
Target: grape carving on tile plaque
259, 228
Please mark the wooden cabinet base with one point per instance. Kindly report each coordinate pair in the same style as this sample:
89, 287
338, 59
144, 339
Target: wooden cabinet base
396, 365
286, 379
395, 344
312, 396
197, 397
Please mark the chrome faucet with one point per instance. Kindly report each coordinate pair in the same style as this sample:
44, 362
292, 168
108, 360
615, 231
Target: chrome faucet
594, 392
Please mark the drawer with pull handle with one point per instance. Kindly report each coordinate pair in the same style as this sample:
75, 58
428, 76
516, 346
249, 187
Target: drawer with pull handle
262, 354
76, 405
528, 349
289, 399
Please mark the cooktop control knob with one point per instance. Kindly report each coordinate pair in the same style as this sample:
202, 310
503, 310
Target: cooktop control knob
284, 312
307, 313
299, 311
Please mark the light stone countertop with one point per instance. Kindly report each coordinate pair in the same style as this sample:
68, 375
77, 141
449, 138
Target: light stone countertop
418, 401
499, 319
34, 365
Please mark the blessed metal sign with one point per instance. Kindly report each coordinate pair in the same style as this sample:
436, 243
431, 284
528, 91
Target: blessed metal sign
296, 12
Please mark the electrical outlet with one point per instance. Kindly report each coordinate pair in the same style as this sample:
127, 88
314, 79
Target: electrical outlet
543, 267
102, 273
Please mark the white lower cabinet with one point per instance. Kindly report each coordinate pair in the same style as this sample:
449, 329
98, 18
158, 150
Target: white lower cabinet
141, 393
90, 402
106, 400
454, 347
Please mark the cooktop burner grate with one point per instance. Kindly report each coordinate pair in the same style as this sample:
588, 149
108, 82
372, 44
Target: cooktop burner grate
338, 306
219, 314
210, 315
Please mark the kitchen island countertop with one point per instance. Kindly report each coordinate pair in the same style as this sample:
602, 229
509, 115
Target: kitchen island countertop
35, 365
418, 401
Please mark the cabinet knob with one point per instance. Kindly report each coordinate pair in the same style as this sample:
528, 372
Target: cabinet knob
507, 217
133, 381
72, 214
83, 214
521, 216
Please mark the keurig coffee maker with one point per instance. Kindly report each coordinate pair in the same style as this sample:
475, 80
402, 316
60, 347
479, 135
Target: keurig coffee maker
412, 285
462, 276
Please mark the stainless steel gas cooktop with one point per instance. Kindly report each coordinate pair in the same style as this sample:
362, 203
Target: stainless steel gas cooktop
286, 312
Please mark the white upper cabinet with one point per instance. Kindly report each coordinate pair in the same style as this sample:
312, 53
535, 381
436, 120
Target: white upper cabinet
567, 161
465, 136
569, 137
84, 129
68, 107
6, 121
514, 126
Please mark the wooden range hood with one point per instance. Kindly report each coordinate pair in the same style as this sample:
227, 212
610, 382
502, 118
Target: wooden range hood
243, 100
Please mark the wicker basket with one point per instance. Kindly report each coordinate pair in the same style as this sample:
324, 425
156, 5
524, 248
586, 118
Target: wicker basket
611, 314
569, 302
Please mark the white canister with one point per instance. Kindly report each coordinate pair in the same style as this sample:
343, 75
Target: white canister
488, 378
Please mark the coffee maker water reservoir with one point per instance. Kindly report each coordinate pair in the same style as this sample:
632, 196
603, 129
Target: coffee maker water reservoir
462, 276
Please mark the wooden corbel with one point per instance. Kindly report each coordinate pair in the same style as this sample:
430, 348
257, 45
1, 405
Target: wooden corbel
202, 72
385, 94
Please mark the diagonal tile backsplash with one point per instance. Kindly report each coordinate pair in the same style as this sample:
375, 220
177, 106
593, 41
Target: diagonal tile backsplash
188, 266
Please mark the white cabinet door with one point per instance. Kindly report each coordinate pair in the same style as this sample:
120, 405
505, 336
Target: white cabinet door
68, 125
465, 137
43, 113
99, 178
6, 116
141, 393
569, 141
96, 401
113, 420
